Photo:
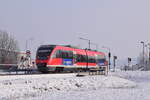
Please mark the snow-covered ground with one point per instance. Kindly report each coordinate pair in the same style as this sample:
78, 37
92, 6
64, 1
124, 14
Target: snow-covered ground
116, 86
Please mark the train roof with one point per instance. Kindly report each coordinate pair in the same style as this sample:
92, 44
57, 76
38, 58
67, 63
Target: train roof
80, 50
74, 47
47, 45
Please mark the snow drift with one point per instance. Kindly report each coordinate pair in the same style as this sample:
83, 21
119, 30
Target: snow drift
13, 87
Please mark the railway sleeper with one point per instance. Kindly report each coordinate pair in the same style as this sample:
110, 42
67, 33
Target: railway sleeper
16, 69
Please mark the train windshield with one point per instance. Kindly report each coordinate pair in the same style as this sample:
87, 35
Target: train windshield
44, 52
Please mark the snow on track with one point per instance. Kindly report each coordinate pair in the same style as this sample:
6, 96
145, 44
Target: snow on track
25, 86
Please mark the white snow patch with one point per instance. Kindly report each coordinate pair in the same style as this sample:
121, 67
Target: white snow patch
24, 86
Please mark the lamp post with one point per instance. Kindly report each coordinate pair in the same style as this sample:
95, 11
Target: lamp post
149, 52
146, 56
129, 62
109, 56
143, 52
115, 57
89, 42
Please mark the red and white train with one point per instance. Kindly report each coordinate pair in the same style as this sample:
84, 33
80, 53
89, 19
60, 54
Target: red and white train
59, 58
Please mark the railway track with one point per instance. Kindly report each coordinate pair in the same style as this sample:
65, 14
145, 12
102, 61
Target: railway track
32, 73
79, 74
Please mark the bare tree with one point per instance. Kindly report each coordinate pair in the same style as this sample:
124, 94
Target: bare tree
8, 48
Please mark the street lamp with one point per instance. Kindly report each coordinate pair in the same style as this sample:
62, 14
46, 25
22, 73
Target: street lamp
146, 54
149, 51
109, 56
86, 40
143, 52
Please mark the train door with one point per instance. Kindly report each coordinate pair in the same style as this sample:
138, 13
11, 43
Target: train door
67, 58
74, 58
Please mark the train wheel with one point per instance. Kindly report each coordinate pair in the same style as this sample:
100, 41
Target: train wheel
43, 69
59, 69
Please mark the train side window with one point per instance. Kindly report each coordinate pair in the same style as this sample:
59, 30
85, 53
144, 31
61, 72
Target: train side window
63, 54
84, 58
58, 54
78, 58
54, 55
70, 54
94, 59
67, 54
81, 58
75, 57
91, 59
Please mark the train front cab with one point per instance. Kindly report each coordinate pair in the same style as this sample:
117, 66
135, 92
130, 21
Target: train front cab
42, 57
54, 58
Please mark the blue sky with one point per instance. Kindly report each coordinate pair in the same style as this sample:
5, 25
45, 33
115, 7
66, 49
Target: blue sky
117, 24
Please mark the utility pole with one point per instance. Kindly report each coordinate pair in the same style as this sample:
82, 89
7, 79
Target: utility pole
129, 61
149, 53
89, 42
115, 57
146, 55
143, 53
89, 45
109, 56
86, 60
